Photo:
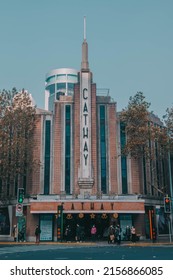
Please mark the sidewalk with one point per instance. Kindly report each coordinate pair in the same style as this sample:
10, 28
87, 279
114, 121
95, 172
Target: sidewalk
97, 243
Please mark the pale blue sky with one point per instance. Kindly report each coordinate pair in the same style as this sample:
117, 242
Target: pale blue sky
130, 45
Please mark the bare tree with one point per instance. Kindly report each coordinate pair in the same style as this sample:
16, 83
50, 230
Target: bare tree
146, 142
17, 123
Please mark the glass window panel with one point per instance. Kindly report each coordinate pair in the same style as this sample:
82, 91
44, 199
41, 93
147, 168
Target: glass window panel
103, 149
47, 157
60, 77
67, 148
70, 88
124, 174
50, 79
102, 112
103, 163
60, 86
51, 89
72, 77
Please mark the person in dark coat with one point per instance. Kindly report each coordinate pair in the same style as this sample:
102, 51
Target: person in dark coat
37, 234
111, 234
68, 233
78, 233
128, 233
133, 233
118, 234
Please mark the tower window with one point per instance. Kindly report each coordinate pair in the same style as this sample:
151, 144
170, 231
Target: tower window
47, 157
103, 149
67, 148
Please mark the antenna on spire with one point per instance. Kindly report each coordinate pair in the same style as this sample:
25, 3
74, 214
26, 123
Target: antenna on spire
84, 28
85, 64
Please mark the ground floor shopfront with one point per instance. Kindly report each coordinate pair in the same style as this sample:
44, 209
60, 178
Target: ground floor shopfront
85, 213
48, 224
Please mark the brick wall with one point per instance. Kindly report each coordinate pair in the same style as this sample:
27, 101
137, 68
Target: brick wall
94, 136
76, 130
136, 176
112, 148
33, 186
31, 222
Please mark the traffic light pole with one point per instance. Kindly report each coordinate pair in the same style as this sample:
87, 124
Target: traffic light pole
171, 193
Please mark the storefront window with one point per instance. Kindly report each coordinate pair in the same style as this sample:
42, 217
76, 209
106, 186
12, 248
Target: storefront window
46, 226
4, 221
163, 222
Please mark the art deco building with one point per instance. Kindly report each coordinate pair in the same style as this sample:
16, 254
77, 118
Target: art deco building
78, 141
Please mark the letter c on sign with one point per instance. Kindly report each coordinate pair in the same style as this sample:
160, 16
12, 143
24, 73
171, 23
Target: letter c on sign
84, 93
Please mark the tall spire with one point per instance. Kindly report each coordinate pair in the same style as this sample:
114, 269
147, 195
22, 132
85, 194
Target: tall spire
85, 64
84, 28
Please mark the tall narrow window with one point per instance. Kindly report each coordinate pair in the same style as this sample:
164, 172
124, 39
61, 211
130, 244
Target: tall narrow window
103, 148
151, 168
47, 157
123, 159
67, 148
144, 175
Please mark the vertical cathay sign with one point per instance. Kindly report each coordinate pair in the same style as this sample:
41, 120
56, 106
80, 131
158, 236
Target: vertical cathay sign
85, 127
85, 124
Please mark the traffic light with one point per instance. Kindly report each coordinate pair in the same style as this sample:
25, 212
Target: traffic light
154, 233
167, 204
20, 195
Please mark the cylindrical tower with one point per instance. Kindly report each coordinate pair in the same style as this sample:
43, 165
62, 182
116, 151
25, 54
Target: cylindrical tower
59, 82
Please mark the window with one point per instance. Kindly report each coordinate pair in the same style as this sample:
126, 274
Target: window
103, 149
47, 157
51, 89
67, 148
70, 88
61, 86
123, 159
72, 77
61, 77
50, 79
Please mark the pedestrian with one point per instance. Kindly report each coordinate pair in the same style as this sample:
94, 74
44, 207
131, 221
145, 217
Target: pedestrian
82, 233
78, 233
133, 234
68, 233
15, 233
118, 234
93, 233
128, 233
111, 234
37, 234
22, 234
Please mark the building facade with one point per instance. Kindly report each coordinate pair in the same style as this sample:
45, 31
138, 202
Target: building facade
78, 140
